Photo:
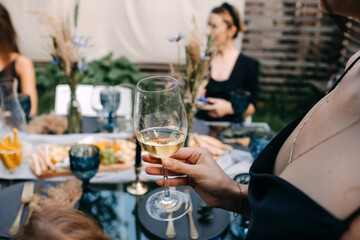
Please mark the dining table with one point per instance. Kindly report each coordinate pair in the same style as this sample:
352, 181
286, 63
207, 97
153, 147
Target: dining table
122, 215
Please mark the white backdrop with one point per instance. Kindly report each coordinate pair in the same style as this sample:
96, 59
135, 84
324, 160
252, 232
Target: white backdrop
137, 29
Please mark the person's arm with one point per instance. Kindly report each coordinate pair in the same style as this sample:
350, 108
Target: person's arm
25, 69
219, 107
205, 176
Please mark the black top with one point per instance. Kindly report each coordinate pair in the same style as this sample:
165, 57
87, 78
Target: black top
279, 210
244, 76
10, 72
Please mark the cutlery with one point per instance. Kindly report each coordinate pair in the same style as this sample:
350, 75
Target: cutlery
170, 229
34, 200
193, 232
26, 196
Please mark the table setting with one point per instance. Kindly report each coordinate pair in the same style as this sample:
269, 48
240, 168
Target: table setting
109, 165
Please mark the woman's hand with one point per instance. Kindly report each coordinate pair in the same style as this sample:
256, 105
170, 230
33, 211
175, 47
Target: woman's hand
197, 168
218, 108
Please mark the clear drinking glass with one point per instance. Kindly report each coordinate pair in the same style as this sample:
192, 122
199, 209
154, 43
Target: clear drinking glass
11, 112
11, 117
160, 124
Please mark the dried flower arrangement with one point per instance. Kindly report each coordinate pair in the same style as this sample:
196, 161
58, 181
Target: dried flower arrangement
196, 74
65, 49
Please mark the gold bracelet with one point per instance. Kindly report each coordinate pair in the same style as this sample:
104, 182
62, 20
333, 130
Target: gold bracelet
235, 215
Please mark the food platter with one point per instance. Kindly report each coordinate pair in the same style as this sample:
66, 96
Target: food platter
56, 146
52, 160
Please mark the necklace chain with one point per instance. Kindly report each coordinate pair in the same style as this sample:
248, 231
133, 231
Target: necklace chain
291, 158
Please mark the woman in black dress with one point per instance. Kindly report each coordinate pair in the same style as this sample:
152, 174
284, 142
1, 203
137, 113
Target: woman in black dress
306, 183
230, 70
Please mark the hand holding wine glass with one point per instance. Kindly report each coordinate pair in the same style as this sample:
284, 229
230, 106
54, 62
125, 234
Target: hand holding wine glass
160, 124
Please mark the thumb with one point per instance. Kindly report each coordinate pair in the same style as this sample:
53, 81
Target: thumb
178, 166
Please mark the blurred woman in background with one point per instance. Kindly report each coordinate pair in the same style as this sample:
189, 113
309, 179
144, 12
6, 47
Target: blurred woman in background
13, 64
230, 70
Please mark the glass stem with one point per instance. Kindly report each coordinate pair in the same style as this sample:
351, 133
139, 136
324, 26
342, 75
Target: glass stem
85, 185
166, 184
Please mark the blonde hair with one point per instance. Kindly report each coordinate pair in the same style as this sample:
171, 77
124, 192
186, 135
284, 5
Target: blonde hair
231, 17
61, 224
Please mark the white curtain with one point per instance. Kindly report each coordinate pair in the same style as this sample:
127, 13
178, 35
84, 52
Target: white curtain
137, 29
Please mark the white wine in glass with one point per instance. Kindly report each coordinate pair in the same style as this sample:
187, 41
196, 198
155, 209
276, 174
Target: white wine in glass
160, 124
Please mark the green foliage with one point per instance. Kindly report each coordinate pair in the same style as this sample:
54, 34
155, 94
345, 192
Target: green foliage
107, 71
280, 109
112, 72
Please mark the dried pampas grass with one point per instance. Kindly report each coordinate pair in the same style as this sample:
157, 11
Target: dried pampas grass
48, 124
63, 48
194, 45
64, 195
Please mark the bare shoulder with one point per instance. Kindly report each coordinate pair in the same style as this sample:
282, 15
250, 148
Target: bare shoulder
23, 61
352, 59
24, 66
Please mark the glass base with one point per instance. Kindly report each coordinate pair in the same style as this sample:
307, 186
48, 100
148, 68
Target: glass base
166, 209
239, 227
236, 126
137, 188
89, 195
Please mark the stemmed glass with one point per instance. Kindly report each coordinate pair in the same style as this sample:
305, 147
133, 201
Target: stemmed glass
84, 163
240, 102
106, 101
110, 99
160, 124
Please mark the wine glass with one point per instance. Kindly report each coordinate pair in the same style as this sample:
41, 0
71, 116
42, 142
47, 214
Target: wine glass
110, 100
239, 102
160, 124
84, 163
105, 101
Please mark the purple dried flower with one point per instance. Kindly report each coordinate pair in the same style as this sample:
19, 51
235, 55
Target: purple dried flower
83, 66
76, 40
203, 56
176, 38
85, 42
80, 41
55, 62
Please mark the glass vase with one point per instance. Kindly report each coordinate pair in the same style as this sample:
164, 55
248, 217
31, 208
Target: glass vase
74, 113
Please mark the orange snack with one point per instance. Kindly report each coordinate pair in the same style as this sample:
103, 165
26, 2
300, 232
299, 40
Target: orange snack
116, 147
11, 152
102, 145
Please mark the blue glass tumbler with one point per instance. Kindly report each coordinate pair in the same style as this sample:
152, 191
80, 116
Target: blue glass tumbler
239, 102
84, 163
